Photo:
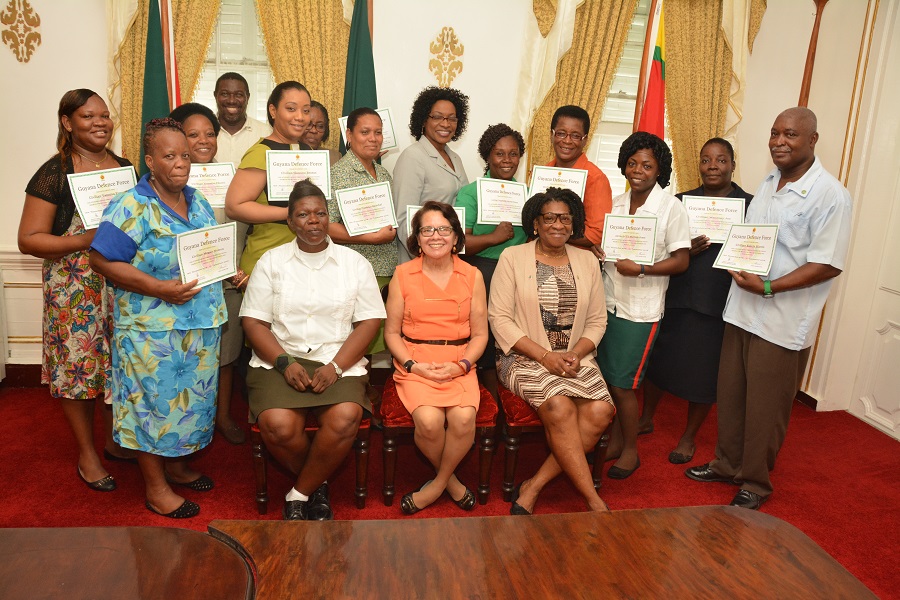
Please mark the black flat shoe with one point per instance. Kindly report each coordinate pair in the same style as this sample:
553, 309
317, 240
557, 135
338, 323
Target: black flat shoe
319, 506
748, 499
201, 484
677, 458
408, 505
620, 473
112, 457
295, 510
106, 484
705, 474
187, 510
467, 502
516, 508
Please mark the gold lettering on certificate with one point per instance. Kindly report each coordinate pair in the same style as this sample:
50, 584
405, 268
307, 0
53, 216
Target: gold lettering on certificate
20, 24
446, 62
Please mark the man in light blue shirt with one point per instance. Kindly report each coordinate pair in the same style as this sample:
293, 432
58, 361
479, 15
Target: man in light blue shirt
771, 323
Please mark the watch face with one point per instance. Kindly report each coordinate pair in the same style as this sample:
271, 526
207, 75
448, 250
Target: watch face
282, 363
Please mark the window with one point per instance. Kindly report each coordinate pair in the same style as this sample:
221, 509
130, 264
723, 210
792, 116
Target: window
237, 45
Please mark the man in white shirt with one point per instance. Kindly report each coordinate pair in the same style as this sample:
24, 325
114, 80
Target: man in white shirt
770, 324
239, 131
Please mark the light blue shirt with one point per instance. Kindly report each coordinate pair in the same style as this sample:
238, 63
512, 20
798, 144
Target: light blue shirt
813, 217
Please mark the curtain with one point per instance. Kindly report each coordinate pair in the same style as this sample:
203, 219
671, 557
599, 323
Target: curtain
194, 22
698, 81
586, 71
306, 41
545, 13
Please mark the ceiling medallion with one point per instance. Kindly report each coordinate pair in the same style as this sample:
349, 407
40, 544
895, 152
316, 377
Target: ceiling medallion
446, 62
20, 24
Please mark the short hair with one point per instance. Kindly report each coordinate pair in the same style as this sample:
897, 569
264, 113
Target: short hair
320, 106
495, 133
189, 109
643, 140
574, 112
234, 76
154, 126
427, 99
68, 104
721, 142
412, 243
534, 206
278, 92
304, 189
355, 115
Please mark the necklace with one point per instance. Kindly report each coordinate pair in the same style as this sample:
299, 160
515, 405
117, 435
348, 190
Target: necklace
89, 159
180, 195
539, 248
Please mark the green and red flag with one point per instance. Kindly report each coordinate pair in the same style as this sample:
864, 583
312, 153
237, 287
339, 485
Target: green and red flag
161, 89
653, 112
359, 81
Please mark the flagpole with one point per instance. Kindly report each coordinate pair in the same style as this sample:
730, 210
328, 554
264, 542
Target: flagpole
166, 27
811, 55
649, 45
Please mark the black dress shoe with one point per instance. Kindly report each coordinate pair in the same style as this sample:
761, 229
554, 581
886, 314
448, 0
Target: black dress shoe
319, 506
187, 510
516, 508
295, 510
706, 474
747, 499
467, 502
620, 473
104, 484
408, 505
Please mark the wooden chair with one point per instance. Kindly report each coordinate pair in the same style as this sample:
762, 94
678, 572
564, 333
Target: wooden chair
520, 419
260, 461
397, 421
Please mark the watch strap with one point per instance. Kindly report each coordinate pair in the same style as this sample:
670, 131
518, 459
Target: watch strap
767, 289
337, 370
408, 365
283, 361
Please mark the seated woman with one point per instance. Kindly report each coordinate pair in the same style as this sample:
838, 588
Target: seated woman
436, 329
311, 309
165, 362
547, 315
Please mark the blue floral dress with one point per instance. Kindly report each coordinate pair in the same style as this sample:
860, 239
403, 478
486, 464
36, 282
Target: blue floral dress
165, 360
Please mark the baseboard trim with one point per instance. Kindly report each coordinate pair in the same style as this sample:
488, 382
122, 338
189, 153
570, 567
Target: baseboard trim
22, 376
807, 400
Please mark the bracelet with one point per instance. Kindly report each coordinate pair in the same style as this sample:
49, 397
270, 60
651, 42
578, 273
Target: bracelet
465, 363
541, 359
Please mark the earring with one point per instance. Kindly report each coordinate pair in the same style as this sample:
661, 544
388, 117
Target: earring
535, 232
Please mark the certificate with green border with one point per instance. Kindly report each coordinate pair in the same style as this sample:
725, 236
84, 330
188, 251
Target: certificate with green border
207, 254
545, 177
500, 200
212, 179
749, 247
712, 216
630, 236
92, 191
366, 208
387, 129
284, 168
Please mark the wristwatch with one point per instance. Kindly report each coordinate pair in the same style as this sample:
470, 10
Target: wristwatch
767, 290
337, 370
641, 275
408, 365
283, 362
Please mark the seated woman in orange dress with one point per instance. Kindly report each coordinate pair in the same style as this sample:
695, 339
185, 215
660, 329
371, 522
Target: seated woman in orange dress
436, 329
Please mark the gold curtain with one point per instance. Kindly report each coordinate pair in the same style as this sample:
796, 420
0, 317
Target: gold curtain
698, 81
545, 13
306, 41
586, 71
193, 22
757, 10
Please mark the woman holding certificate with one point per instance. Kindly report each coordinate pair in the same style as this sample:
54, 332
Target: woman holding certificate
201, 128
165, 366
77, 310
429, 169
436, 328
644, 220
685, 359
248, 195
500, 147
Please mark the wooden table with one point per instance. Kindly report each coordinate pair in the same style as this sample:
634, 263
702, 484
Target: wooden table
699, 552
119, 562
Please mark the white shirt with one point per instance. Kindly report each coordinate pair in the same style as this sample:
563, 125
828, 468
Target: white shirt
231, 148
312, 300
813, 216
643, 300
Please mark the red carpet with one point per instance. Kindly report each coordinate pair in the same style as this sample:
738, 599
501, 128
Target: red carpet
847, 501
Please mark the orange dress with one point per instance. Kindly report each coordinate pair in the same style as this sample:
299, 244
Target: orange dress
432, 313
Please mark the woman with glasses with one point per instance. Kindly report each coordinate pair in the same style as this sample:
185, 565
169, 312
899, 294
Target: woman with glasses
320, 130
635, 294
436, 329
547, 314
428, 169
569, 130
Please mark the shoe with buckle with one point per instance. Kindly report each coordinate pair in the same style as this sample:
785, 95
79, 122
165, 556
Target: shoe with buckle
319, 508
408, 505
467, 502
295, 510
748, 499
705, 474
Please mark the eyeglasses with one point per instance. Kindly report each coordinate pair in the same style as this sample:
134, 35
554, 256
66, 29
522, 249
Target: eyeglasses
561, 135
439, 118
317, 126
551, 217
428, 231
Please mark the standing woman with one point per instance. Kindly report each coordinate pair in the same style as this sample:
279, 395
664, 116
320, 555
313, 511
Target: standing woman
319, 130
635, 294
77, 312
247, 198
429, 170
685, 360
357, 168
500, 147
201, 128
166, 338
436, 329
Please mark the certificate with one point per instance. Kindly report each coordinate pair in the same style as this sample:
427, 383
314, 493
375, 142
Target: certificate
499, 201
544, 177
212, 179
412, 209
713, 217
630, 236
749, 248
366, 208
387, 128
208, 254
284, 168
93, 191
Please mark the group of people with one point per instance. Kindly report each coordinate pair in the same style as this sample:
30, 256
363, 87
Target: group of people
535, 309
